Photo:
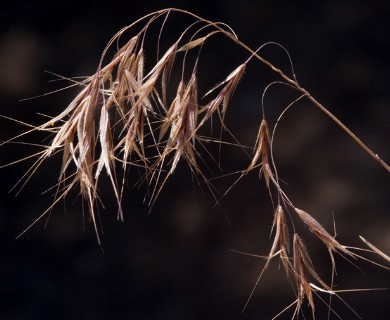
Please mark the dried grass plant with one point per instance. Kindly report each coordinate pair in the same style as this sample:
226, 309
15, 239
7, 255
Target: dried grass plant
124, 119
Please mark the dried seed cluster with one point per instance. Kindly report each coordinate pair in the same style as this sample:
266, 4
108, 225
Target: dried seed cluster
123, 116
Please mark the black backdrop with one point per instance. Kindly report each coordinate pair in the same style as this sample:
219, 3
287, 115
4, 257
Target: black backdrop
176, 263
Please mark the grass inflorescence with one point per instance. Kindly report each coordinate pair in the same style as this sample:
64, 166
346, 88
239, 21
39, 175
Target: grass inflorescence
125, 118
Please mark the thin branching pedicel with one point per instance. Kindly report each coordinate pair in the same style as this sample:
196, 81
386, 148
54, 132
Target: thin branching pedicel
124, 118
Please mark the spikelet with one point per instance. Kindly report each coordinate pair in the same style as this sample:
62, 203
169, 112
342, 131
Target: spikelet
301, 263
223, 98
261, 154
183, 123
330, 242
281, 239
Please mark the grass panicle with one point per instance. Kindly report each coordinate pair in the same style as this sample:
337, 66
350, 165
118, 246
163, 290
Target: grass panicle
124, 118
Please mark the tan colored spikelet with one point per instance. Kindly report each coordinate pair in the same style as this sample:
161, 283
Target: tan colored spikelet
281, 239
162, 68
80, 127
166, 74
231, 84
261, 147
105, 138
181, 121
375, 249
283, 236
197, 42
127, 82
261, 154
304, 255
184, 124
140, 90
192, 44
223, 97
133, 136
107, 158
127, 53
131, 96
302, 261
316, 228
173, 111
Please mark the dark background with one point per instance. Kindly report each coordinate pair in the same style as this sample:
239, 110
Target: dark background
177, 263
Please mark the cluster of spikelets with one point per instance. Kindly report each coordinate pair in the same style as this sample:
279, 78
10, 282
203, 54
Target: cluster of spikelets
123, 117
